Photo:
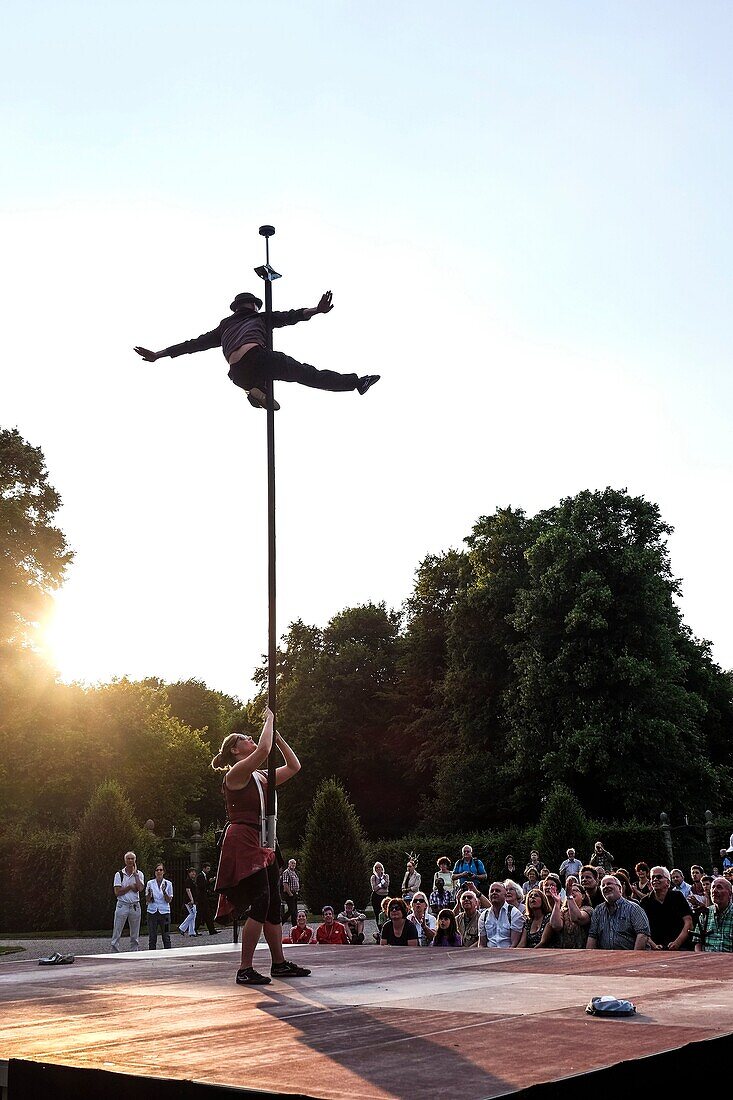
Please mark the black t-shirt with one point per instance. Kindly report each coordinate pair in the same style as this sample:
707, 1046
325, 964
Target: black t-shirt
666, 918
409, 932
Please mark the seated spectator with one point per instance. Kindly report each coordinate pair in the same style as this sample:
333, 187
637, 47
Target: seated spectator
500, 925
642, 887
514, 895
715, 928
330, 931
468, 918
678, 882
300, 932
511, 870
469, 888
398, 931
601, 858
353, 922
571, 919
537, 931
423, 920
550, 886
618, 924
444, 873
379, 883
623, 876
447, 934
468, 869
670, 919
532, 878
442, 897
590, 881
697, 890
382, 918
570, 866
544, 872
411, 881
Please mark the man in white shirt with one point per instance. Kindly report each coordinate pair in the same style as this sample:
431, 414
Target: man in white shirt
499, 925
158, 894
129, 884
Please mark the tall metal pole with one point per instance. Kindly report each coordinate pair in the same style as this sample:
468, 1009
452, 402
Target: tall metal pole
269, 275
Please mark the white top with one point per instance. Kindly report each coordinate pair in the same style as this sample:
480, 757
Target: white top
496, 931
127, 882
429, 922
159, 904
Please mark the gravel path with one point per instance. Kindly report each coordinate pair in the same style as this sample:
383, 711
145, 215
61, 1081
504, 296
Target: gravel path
99, 945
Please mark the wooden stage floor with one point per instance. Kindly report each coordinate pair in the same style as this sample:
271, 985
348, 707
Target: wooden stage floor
370, 1022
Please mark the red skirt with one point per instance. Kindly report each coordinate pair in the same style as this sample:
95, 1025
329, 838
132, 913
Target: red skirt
241, 856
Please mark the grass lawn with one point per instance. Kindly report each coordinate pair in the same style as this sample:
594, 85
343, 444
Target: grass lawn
10, 950
70, 935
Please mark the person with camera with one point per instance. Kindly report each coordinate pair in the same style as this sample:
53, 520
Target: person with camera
129, 884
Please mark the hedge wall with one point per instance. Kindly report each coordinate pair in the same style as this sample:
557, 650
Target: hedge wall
31, 880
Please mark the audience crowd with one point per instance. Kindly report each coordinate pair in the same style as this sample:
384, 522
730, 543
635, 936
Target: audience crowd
582, 906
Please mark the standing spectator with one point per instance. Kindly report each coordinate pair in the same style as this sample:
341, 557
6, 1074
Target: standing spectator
589, 880
670, 919
728, 855
380, 887
500, 925
447, 934
642, 887
158, 894
201, 897
411, 881
290, 888
571, 865
444, 873
533, 878
330, 931
468, 918
678, 882
300, 932
129, 884
537, 931
398, 931
618, 924
423, 920
535, 861
571, 920
715, 929
469, 869
188, 924
511, 870
353, 922
601, 858
442, 897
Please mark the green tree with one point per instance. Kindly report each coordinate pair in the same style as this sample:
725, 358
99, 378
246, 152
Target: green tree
562, 825
333, 859
106, 831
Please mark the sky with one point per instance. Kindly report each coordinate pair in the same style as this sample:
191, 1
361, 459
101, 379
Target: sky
523, 212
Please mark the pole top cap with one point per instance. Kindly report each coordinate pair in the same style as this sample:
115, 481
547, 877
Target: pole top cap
267, 230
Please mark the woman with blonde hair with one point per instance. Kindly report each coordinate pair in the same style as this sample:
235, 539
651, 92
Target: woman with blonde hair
247, 876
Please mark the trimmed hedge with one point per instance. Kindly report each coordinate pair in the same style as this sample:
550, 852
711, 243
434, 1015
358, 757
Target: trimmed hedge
31, 880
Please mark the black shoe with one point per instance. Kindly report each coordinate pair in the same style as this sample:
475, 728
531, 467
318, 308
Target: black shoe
215, 932
366, 381
249, 976
258, 398
288, 970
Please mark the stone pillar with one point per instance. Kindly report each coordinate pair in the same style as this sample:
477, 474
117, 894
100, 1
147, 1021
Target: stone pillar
195, 842
667, 837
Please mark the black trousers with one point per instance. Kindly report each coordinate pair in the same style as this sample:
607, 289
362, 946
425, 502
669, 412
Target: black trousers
290, 901
259, 366
204, 914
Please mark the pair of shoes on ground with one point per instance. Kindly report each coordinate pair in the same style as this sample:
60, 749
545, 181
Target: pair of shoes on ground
258, 398
249, 976
56, 960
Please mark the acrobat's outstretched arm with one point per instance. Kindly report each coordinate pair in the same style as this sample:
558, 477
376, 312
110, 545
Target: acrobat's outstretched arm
204, 342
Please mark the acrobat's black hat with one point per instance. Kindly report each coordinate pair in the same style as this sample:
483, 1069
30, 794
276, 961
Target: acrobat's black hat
243, 300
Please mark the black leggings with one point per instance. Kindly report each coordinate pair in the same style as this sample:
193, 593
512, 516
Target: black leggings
259, 366
257, 896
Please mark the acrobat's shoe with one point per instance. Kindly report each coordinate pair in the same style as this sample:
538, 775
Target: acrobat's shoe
258, 398
366, 381
249, 976
288, 970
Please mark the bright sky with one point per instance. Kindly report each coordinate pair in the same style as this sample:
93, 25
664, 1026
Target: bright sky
524, 213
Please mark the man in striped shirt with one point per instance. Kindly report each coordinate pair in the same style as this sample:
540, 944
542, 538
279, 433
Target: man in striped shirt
289, 889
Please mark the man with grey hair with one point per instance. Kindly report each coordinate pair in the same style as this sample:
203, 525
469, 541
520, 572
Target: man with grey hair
617, 924
670, 919
499, 925
129, 884
714, 931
